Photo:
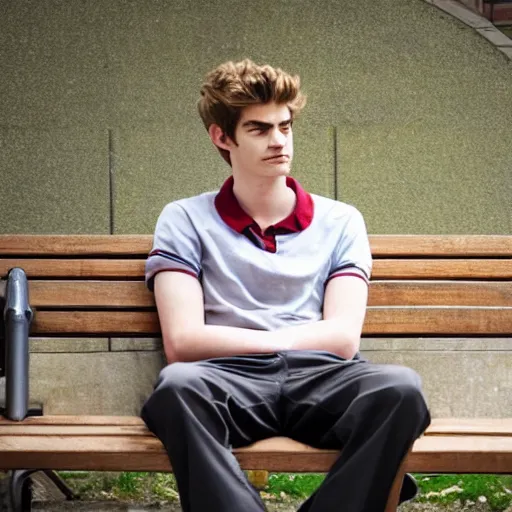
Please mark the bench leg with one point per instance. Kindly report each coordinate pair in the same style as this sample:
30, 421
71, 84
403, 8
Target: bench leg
394, 495
20, 490
60, 484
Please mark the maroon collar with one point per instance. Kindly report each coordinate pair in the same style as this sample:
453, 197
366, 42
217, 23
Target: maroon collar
235, 217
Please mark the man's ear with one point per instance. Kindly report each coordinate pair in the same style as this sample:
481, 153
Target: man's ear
218, 137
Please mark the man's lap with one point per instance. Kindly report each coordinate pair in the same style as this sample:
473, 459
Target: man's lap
299, 394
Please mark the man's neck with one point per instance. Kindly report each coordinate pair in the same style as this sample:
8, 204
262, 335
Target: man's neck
266, 200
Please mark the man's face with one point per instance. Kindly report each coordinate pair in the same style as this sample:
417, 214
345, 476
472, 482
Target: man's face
264, 141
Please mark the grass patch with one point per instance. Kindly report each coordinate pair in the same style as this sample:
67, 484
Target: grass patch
127, 486
299, 485
496, 490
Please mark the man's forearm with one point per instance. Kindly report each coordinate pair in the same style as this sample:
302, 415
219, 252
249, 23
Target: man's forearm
210, 341
335, 336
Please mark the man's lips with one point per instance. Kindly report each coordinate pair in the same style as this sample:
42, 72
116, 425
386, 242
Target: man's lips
283, 158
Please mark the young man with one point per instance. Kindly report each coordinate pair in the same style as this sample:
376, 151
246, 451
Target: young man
261, 290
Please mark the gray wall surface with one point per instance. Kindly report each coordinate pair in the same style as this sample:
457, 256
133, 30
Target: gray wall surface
416, 104
461, 377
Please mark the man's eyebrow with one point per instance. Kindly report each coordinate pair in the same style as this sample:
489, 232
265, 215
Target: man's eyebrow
252, 123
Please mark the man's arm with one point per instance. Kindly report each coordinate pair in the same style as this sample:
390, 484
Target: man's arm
343, 317
179, 299
180, 303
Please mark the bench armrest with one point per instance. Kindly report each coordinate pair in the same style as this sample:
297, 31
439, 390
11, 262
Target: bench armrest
18, 317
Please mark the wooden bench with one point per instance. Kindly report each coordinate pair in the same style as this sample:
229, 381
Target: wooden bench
422, 286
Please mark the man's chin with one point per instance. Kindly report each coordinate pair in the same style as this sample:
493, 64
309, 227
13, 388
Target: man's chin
281, 170
273, 171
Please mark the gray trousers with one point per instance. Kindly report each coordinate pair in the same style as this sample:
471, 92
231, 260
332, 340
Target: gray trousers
201, 410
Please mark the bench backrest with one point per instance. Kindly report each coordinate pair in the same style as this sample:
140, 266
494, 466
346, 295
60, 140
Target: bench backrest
421, 285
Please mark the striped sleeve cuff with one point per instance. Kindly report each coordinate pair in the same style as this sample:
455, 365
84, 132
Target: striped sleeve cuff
350, 271
160, 261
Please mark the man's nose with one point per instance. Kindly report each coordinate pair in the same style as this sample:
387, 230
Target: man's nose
277, 138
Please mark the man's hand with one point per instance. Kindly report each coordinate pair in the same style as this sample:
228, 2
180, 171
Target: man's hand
343, 317
345, 303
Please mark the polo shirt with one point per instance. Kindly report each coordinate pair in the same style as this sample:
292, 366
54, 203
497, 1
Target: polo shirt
260, 280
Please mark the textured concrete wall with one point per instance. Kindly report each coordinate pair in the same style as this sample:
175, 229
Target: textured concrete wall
417, 103
461, 377
408, 119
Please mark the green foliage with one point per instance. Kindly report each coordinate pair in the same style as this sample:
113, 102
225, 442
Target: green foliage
127, 486
299, 485
496, 490
164, 487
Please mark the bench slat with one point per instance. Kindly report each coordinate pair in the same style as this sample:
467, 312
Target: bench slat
76, 268
382, 268
69, 245
441, 245
472, 426
442, 269
440, 293
23, 430
66, 419
109, 294
438, 320
132, 425
392, 320
461, 454
105, 294
381, 245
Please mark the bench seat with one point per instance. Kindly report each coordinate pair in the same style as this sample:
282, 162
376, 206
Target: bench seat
426, 287
123, 443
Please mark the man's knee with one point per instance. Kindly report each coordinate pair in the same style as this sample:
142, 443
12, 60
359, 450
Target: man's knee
180, 377
176, 386
401, 389
402, 378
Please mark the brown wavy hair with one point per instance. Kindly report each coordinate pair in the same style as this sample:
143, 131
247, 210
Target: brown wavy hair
233, 86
